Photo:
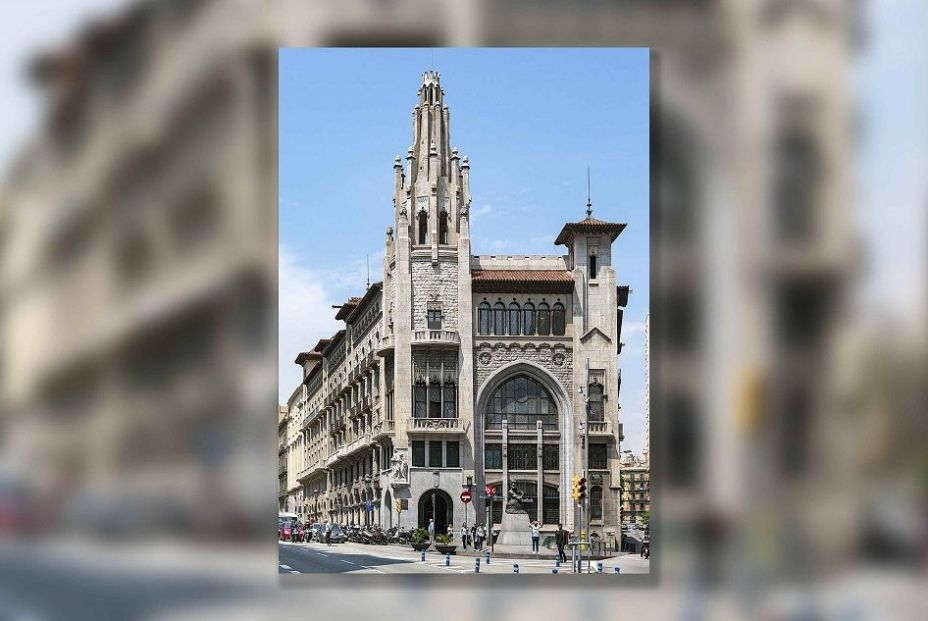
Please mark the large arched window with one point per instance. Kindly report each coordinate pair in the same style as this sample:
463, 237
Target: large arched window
528, 319
499, 318
522, 401
514, 315
557, 319
423, 227
484, 318
596, 503
544, 319
443, 228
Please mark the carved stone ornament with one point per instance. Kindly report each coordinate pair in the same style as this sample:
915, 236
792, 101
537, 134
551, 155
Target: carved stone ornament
399, 470
485, 358
558, 359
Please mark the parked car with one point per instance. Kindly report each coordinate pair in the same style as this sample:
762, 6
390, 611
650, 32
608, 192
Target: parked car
337, 535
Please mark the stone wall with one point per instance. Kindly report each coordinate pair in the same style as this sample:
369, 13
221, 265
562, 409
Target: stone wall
555, 358
435, 284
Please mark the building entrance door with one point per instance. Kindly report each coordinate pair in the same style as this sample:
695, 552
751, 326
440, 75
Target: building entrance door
436, 503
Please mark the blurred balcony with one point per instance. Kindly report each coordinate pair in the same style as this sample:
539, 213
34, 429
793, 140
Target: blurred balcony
436, 338
436, 425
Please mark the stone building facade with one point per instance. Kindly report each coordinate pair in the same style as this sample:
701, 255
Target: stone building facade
636, 488
464, 372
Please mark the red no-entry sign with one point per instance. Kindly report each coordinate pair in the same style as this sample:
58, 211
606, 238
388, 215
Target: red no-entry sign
465, 496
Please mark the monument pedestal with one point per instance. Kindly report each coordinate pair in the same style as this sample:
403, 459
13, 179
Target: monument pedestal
515, 534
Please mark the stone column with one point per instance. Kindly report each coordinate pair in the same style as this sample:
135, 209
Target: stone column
505, 450
541, 472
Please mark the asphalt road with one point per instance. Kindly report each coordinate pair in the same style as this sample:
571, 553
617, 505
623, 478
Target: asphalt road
317, 558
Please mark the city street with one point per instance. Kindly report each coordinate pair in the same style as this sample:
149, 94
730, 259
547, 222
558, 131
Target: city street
314, 558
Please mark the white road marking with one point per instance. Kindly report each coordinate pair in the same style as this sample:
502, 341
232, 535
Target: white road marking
285, 567
349, 562
373, 569
294, 572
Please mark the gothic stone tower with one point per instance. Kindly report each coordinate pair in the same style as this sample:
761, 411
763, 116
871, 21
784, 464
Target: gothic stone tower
428, 318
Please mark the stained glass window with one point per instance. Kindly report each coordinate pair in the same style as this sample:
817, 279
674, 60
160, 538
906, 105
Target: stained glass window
521, 401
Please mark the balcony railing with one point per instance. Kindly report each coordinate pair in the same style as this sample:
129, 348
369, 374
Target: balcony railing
386, 345
435, 337
444, 425
601, 428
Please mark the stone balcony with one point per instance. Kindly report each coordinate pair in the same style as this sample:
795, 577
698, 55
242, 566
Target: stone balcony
386, 345
436, 425
435, 338
601, 428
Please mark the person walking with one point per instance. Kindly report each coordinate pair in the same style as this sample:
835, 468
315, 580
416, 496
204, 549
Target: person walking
481, 535
560, 538
473, 536
464, 535
431, 529
536, 535
328, 533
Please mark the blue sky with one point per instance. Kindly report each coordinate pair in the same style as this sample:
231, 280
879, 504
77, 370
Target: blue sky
531, 122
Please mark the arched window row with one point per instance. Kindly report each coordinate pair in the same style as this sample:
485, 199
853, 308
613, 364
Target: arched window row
525, 320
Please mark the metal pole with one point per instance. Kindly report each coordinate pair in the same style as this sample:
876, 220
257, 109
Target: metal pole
586, 460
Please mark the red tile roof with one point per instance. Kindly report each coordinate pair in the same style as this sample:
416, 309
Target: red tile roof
514, 281
588, 226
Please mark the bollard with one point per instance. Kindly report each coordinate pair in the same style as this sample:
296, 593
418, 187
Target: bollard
488, 558
448, 560
422, 558
616, 570
554, 570
477, 565
599, 567
557, 562
515, 568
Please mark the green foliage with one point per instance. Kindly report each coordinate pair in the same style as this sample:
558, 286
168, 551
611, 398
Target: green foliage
420, 535
645, 519
445, 539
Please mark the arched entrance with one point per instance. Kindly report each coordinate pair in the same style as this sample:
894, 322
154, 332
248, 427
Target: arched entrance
386, 513
436, 503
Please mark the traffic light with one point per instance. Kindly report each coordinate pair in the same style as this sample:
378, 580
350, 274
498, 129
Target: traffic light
398, 504
575, 488
581, 489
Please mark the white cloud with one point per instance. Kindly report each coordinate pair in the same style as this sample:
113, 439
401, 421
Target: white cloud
304, 317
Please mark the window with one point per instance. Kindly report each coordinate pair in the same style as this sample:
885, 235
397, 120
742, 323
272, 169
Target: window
598, 459
418, 453
434, 400
596, 402
484, 318
522, 457
544, 320
493, 457
796, 185
550, 456
450, 402
514, 316
419, 409
592, 267
423, 227
596, 503
551, 509
499, 318
558, 320
433, 316
521, 401
528, 319
434, 454
443, 228
452, 454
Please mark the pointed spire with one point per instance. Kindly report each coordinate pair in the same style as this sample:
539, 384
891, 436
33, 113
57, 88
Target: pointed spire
589, 201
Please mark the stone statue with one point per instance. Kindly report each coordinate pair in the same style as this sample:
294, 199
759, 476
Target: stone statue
516, 500
399, 469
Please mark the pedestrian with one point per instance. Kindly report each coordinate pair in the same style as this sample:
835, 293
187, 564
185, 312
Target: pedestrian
646, 546
431, 529
481, 536
450, 530
464, 535
328, 533
560, 538
536, 535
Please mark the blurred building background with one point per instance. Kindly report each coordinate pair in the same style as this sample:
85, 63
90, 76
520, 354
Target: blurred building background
137, 296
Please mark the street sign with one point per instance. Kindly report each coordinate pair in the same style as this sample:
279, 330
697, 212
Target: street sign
490, 490
465, 497
369, 505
